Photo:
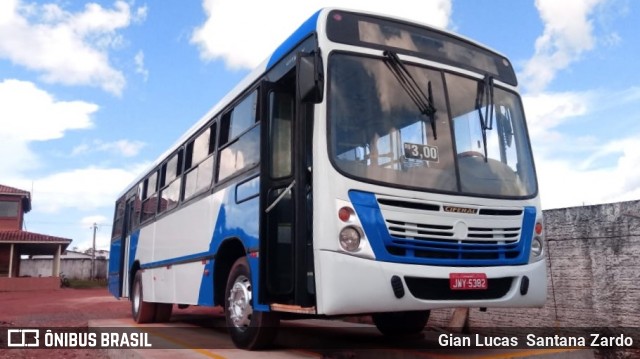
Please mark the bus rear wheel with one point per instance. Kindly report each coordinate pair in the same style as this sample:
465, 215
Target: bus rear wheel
142, 312
249, 329
401, 323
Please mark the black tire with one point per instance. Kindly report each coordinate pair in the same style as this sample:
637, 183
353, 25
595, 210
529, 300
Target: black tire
142, 312
401, 323
163, 312
248, 329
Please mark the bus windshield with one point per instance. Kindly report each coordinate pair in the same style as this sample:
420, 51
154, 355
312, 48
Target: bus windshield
378, 134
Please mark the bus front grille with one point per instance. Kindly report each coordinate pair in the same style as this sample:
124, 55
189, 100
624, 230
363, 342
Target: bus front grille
439, 242
426, 233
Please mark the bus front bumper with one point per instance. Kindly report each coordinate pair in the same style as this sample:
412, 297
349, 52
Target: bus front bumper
347, 284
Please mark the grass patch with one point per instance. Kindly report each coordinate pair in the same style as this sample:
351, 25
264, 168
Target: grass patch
86, 283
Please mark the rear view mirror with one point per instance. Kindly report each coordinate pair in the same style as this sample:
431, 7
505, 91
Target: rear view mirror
310, 79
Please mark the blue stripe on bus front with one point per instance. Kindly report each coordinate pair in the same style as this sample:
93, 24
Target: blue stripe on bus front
307, 28
381, 241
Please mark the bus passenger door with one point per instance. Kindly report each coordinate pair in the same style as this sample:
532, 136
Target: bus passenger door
118, 251
283, 241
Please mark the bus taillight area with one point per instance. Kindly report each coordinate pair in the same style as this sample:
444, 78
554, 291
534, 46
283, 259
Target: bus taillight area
360, 285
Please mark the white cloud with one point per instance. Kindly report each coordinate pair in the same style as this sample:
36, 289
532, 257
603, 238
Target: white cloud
123, 148
565, 183
568, 33
67, 48
140, 69
576, 170
546, 111
31, 114
586, 169
103, 233
84, 189
88, 221
235, 34
28, 114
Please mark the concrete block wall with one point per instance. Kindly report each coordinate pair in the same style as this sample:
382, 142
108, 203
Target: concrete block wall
593, 266
72, 268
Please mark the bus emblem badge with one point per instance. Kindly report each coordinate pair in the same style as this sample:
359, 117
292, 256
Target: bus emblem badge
463, 210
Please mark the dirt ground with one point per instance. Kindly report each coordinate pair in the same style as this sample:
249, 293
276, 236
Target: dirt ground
58, 308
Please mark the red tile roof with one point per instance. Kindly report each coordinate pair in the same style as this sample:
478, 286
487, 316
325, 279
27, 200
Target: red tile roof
10, 190
24, 236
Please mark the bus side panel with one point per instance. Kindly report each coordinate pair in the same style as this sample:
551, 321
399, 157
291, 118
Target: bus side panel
235, 220
177, 251
176, 283
205, 294
172, 250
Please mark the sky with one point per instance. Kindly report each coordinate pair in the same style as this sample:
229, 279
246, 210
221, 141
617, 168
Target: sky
92, 92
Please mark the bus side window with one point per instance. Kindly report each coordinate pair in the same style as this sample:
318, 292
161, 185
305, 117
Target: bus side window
171, 182
239, 119
137, 206
239, 141
149, 197
199, 162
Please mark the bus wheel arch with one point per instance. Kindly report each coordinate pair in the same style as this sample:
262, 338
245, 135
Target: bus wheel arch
249, 329
228, 252
132, 275
141, 310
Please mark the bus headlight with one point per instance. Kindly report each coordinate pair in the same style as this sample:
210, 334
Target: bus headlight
350, 238
536, 247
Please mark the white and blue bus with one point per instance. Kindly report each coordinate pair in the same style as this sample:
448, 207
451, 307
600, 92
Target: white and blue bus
371, 165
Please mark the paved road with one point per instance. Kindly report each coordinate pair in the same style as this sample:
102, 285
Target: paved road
202, 336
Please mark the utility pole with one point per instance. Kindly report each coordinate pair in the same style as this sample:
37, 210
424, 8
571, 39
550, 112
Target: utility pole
93, 253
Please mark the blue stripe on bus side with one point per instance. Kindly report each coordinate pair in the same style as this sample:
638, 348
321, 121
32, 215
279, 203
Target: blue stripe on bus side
307, 28
178, 260
235, 220
133, 249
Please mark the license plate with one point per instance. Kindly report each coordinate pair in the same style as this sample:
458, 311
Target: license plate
468, 281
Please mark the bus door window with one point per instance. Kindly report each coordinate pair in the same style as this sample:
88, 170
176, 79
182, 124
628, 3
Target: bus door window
280, 219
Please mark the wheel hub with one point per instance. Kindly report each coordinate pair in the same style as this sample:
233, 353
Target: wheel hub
240, 309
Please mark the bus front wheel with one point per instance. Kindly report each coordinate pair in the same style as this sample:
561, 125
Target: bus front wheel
142, 312
401, 323
249, 329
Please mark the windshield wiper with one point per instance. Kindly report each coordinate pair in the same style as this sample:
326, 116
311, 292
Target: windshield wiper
485, 91
411, 87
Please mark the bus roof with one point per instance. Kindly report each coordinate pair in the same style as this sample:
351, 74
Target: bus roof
307, 28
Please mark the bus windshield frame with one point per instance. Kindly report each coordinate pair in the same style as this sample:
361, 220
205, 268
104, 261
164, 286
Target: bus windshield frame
376, 134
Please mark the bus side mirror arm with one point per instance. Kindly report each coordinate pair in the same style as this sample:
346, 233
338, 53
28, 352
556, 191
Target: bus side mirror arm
310, 77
